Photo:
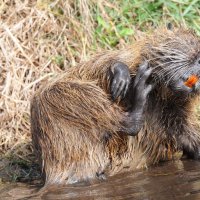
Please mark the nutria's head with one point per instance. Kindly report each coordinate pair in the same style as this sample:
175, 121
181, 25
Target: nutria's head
175, 59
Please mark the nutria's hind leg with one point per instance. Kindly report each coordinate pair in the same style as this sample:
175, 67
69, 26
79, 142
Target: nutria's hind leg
191, 148
189, 139
192, 154
69, 121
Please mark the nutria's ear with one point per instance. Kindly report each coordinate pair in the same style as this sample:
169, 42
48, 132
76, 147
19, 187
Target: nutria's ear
169, 26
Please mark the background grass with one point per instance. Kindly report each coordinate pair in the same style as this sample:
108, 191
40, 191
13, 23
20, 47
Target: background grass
39, 39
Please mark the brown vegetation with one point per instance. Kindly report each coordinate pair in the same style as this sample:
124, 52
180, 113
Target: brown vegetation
38, 39
36, 42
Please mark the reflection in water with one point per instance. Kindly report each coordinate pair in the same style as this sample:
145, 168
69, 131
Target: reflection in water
170, 180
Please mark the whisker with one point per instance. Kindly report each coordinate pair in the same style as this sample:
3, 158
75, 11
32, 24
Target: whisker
167, 50
174, 73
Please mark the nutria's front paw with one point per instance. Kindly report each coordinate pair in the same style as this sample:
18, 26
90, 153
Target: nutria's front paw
121, 80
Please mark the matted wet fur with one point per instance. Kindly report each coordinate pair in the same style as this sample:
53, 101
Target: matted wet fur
75, 123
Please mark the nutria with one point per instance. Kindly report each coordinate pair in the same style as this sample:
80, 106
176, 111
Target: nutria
121, 110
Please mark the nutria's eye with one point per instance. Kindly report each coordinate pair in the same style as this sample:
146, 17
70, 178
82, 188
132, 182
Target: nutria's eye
198, 61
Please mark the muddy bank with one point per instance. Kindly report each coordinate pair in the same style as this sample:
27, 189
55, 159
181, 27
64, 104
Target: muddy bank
18, 170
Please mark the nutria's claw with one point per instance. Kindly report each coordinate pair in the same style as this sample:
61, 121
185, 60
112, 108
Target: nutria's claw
142, 68
121, 80
140, 88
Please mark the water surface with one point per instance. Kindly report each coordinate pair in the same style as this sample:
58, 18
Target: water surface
173, 180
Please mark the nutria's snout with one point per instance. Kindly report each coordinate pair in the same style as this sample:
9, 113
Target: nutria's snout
191, 80
183, 78
191, 77
186, 84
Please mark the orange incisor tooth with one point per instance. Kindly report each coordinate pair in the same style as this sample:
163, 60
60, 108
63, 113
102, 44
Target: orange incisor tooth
191, 81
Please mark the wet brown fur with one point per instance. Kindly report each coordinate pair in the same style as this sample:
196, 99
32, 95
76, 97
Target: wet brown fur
75, 124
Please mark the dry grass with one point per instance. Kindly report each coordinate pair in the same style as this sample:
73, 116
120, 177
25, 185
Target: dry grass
39, 39
36, 42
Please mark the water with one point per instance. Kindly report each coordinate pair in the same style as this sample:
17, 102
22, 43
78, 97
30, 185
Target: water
174, 180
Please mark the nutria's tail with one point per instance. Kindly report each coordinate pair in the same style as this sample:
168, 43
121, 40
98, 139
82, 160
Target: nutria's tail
65, 131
